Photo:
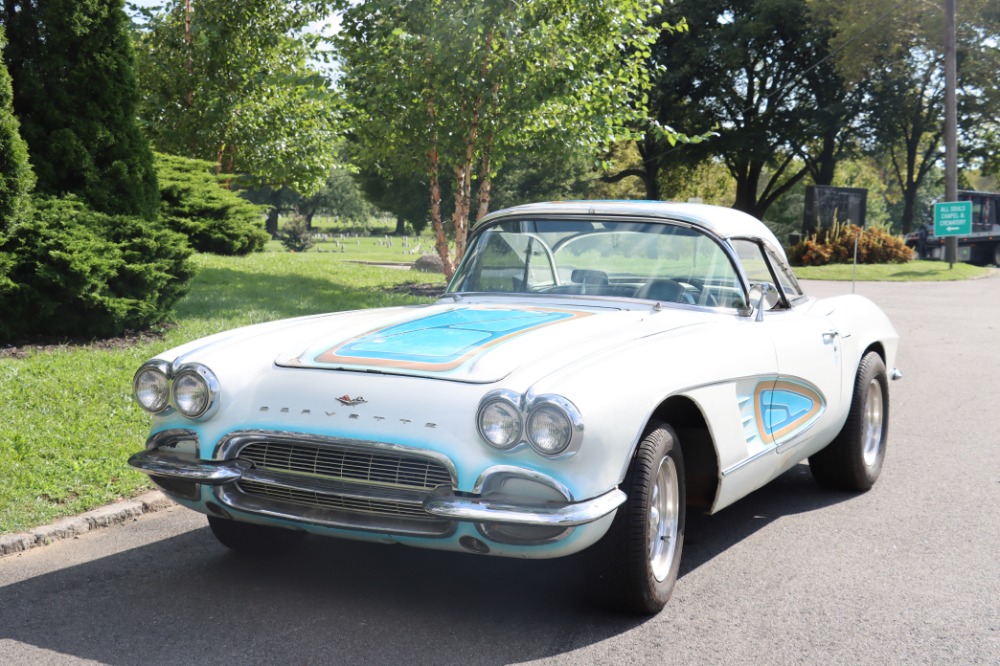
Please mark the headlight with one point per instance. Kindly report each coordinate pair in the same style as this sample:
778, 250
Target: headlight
549, 430
195, 390
499, 421
151, 387
553, 426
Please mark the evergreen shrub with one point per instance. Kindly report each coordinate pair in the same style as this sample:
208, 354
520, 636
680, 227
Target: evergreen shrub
194, 202
69, 272
295, 235
16, 177
836, 246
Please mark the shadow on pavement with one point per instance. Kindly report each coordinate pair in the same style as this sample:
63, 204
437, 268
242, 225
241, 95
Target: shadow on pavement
187, 600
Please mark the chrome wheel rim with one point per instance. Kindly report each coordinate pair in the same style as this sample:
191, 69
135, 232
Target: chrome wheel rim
662, 522
872, 424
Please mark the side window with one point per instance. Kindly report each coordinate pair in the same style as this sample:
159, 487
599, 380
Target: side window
786, 278
757, 266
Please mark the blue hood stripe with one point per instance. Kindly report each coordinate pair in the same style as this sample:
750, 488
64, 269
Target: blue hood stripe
443, 341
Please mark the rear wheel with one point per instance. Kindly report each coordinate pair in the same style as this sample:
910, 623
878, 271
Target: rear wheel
253, 539
636, 563
854, 459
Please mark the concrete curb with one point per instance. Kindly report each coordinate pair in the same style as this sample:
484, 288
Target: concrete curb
68, 528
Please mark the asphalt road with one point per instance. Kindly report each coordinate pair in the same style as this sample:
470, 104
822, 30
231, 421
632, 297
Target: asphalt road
908, 573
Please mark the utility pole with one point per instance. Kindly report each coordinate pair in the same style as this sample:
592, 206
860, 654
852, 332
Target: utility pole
950, 122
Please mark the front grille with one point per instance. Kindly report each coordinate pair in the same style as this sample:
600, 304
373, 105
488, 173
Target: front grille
347, 464
359, 485
335, 502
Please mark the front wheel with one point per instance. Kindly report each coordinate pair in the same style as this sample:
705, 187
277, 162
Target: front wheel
853, 460
252, 539
636, 563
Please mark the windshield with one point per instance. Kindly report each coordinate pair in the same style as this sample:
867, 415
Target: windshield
655, 261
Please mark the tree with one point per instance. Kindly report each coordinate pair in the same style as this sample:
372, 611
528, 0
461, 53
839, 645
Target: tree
898, 47
213, 218
16, 177
234, 82
756, 72
340, 196
72, 66
456, 85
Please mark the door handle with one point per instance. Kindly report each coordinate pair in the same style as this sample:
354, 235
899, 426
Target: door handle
830, 336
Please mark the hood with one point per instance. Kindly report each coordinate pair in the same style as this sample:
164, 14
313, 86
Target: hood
477, 343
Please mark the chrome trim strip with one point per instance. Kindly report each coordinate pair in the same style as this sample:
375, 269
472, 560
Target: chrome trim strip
746, 461
177, 466
172, 437
446, 505
498, 473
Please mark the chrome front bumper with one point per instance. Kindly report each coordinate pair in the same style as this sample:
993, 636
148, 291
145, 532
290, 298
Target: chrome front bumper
442, 503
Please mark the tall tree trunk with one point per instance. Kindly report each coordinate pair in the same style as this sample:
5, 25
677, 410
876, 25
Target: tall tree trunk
271, 225
400, 226
440, 240
485, 179
650, 153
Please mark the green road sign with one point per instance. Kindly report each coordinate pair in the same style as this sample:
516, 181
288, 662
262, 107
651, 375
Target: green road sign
953, 218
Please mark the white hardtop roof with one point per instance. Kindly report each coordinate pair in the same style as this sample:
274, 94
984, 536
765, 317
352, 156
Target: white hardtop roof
723, 222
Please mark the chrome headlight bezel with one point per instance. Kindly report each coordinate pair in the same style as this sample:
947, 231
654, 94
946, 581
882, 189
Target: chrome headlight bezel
522, 410
505, 401
156, 371
561, 408
203, 381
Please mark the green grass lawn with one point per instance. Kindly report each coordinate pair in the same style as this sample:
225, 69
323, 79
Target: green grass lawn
69, 420
914, 271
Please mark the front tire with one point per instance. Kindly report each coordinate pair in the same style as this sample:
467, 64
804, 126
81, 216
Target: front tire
252, 539
637, 561
854, 459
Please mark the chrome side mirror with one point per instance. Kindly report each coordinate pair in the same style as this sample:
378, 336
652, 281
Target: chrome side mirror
759, 292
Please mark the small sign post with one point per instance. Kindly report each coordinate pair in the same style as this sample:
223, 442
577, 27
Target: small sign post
953, 218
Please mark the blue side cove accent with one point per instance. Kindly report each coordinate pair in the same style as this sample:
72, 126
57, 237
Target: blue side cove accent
782, 408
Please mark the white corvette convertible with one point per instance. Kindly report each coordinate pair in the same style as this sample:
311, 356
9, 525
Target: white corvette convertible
593, 370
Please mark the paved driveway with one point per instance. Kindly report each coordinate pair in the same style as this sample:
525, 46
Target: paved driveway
908, 573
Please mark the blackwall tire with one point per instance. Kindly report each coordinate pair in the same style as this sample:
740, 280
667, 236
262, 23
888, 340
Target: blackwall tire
252, 539
635, 565
853, 461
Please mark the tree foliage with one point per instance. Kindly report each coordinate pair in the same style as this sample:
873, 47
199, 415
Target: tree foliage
16, 177
231, 81
756, 72
454, 86
898, 47
72, 66
194, 202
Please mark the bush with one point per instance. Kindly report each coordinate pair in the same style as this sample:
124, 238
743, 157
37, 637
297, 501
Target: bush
16, 177
215, 219
295, 235
69, 272
836, 246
